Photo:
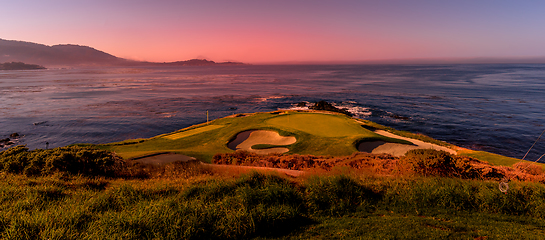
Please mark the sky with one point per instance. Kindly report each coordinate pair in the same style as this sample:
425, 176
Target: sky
260, 31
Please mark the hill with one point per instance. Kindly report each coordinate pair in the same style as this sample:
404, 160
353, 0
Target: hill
19, 66
76, 55
57, 55
198, 62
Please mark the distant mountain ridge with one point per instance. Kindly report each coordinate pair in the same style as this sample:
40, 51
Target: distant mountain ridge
19, 66
57, 55
199, 62
75, 55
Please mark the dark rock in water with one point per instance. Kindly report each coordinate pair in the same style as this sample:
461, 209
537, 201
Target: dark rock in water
39, 123
323, 105
233, 108
5, 142
14, 135
399, 117
302, 104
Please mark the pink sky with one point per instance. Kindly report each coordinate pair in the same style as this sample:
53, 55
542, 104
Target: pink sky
283, 31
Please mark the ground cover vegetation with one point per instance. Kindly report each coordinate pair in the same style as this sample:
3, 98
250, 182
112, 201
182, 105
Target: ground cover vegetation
426, 194
97, 192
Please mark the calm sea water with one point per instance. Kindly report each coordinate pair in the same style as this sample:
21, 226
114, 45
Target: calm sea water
496, 108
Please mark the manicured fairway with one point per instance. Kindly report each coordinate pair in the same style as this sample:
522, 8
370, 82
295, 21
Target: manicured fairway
326, 134
323, 125
188, 133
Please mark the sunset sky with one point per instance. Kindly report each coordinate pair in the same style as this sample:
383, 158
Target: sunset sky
283, 31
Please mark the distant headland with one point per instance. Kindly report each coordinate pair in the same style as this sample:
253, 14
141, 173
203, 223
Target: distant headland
69, 55
19, 66
197, 62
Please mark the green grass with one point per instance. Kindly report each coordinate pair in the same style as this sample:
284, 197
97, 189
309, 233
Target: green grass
267, 207
372, 125
182, 134
494, 159
392, 225
193, 203
322, 125
316, 133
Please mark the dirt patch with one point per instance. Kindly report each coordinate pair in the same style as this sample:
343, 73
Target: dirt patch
288, 172
164, 158
245, 140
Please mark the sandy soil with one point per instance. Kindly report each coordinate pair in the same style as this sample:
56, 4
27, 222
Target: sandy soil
245, 140
397, 149
164, 158
289, 172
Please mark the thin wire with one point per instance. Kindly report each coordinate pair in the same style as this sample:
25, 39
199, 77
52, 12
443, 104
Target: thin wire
533, 145
504, 183
531, 149
533, 162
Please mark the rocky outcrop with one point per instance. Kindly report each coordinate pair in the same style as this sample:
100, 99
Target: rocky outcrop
6, 142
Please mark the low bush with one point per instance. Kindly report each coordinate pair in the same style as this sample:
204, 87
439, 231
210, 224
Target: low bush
430, 162
236, 158
71, 159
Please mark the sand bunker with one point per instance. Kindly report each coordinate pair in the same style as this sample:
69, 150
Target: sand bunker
397, 149
245, 140
164, 158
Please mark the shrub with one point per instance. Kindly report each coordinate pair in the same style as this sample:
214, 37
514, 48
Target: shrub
236, 158
430, 162
71, 159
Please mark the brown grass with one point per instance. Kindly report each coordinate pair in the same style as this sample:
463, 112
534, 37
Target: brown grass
376, 164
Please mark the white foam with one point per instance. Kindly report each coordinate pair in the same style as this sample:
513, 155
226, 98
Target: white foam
357, 111
295, 107
264, 99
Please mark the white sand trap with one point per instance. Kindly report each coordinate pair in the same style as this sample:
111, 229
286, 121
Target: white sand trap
164, 158
397, 149
245, 140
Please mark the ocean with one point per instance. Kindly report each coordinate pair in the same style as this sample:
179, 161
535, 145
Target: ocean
498, 108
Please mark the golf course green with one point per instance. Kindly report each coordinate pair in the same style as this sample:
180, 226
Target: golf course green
316, 133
